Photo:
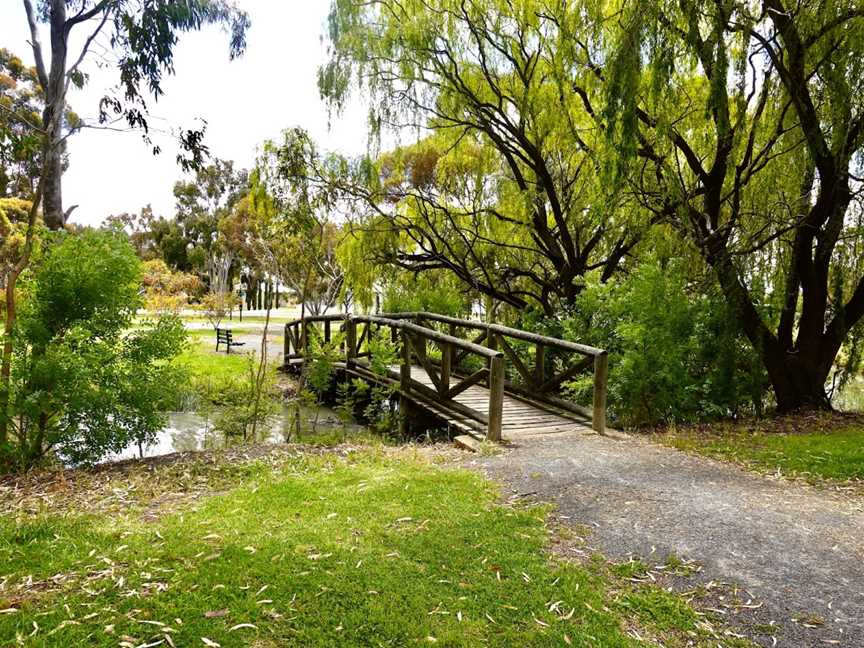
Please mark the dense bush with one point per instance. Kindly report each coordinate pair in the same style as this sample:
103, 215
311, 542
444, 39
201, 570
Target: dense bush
674, 348
83, 383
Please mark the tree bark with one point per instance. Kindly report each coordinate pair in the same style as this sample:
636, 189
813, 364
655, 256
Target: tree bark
798, 373
53, 82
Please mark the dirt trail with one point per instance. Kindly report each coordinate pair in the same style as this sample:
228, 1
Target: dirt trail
798, 550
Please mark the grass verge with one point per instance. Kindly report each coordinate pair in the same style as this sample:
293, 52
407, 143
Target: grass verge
816, 447
359, 547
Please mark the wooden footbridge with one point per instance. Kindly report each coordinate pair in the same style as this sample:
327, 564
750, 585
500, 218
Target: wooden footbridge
484, 380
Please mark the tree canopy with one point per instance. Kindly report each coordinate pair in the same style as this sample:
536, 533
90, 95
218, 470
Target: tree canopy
554, 135
142, 37
506, 190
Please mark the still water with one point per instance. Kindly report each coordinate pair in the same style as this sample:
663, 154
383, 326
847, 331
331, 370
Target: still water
188, 431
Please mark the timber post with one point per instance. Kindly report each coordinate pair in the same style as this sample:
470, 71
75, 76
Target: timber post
601, 369
404, 383
540, 364
286, 344
447, 361
304, 338
446, 355
496, 398
350, 341
491, 343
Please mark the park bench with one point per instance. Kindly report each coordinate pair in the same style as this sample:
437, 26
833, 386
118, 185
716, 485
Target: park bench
224, 336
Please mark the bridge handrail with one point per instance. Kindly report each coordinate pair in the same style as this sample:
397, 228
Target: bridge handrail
518, 334
399, 323
317, 318
432, 334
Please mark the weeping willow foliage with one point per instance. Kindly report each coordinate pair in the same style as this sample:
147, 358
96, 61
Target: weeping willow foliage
548, 136
502, 187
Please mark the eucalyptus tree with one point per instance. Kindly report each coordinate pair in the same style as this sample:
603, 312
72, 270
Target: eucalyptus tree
292, 210
20, 139
140, 36
504, 187
742, 123
202, 203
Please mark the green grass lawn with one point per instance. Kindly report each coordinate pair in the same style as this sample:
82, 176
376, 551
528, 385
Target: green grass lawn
813, 447
372, 548
201, 359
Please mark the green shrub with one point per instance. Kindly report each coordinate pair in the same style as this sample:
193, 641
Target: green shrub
675, 351
82, 386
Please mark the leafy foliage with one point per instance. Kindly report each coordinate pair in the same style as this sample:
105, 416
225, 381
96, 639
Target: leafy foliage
14, 214
676, 352
296, 233
20, 139
503, 192
434, 292
81, 385
167, 290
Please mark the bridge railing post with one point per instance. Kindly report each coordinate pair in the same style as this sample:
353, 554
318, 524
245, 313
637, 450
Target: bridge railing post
304, 338
491, 343
496, 398
601, 369
540, 365
404, 382
350, 341
446, 362
286, 345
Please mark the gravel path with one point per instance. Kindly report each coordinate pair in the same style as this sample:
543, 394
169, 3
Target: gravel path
252, 343
797, 550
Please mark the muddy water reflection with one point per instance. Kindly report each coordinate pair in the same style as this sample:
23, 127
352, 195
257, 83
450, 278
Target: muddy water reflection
187, 431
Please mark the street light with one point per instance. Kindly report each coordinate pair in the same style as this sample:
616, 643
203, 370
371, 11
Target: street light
241, 292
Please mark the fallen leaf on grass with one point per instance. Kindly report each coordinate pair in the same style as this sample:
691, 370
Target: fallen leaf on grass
539, 622
210, 643
215, 614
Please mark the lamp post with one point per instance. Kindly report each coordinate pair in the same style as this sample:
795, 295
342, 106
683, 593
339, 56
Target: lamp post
241, 292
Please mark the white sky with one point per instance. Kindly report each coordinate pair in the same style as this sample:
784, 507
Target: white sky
272, 87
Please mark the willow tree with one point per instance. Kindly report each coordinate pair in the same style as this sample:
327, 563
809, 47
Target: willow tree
742, 123
502, 187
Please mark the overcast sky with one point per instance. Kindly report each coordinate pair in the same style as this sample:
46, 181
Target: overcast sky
272, 87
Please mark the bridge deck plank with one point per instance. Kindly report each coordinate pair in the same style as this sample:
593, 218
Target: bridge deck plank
520, 418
